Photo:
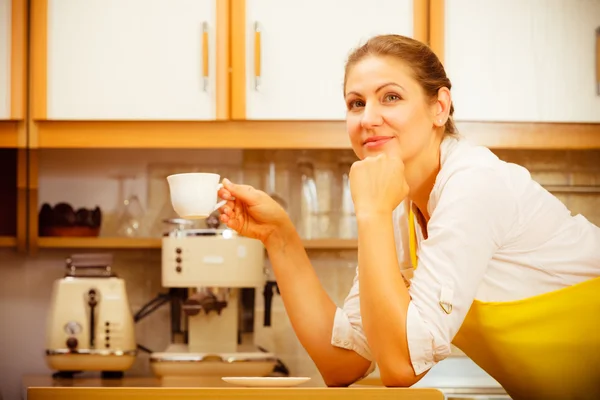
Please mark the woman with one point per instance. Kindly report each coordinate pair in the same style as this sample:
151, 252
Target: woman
504, 271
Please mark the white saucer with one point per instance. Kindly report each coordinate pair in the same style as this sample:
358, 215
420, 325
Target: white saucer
265, 381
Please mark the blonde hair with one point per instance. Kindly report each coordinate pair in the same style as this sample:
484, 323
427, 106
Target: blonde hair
426, 67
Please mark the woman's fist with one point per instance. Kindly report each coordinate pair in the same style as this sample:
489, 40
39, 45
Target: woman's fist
377, 184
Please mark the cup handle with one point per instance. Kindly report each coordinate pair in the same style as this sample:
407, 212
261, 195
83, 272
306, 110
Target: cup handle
221, 203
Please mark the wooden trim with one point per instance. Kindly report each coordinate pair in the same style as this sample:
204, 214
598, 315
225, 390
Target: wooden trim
290, 134
38, 56
421, 20
156, 243
22, 204
13, 134
8, 241
524, 135
32, 200
9, 134
99, 243
222, 90
21, 134
436, 27
238, 59
214, 390
18, 76
196, 134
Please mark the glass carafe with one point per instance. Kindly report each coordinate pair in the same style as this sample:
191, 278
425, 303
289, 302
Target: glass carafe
346, 223
308, 216
130, 222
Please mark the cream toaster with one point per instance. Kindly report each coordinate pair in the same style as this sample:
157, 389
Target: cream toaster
90, 326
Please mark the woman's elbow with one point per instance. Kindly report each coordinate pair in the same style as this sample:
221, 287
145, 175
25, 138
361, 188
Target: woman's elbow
337, 382
339, 379
398, 377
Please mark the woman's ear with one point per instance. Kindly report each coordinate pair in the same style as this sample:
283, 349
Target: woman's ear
442, 107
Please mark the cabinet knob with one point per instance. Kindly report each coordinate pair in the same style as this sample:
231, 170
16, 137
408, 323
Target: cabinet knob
72, 343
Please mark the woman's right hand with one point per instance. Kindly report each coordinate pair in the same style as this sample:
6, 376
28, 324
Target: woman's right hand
251, 212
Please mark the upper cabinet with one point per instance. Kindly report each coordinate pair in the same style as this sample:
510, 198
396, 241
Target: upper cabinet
12, 59
294, 53
515, 60
127, 59
5, 39
158, 73
169, 60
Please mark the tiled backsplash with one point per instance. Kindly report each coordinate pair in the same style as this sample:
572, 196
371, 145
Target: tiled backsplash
25, 282
564, 168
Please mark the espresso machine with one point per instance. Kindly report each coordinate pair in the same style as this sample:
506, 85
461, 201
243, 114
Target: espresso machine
90, 326
209, 273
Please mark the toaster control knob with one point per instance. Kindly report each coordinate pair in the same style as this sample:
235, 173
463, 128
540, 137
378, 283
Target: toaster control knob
72, 343
73, 328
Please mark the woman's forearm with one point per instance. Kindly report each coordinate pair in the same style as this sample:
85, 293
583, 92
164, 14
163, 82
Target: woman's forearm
384, 299
310, 309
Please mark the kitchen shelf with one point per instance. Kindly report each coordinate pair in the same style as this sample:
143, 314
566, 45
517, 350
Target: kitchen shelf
289, 134
99, 242
592, 189
533, 136
155, 243
8, 241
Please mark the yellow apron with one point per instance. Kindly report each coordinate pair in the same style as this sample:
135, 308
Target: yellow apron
542, 347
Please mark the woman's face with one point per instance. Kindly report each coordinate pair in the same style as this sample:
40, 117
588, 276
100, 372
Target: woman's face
387, 110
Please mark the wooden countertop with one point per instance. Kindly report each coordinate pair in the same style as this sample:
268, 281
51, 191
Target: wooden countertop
46, 388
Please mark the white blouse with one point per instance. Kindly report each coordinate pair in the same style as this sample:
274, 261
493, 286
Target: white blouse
494, 235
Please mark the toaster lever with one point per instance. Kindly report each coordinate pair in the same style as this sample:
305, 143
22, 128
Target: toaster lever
92, 302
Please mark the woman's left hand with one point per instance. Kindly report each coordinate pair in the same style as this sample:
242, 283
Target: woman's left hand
377, 184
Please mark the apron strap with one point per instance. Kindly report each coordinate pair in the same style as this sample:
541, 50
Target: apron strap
412, 237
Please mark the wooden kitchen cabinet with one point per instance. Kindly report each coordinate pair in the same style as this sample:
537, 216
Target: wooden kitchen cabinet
522, 61
13, 198
131, 73
167, 60
8, 197
13, 16
128, 60
13, 126
5, 59
289, 55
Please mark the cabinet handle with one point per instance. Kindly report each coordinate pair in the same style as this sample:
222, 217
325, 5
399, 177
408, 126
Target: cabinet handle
598, 61
205, 55
257, 73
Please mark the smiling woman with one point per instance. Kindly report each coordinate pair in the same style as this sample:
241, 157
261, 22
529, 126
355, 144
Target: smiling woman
505, 271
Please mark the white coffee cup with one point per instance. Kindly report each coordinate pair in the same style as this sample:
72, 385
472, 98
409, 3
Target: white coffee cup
194, 195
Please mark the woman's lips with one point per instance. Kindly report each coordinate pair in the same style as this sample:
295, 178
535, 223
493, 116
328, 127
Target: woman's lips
377, 141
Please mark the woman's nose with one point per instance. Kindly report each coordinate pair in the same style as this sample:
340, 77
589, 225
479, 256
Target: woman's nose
371, 117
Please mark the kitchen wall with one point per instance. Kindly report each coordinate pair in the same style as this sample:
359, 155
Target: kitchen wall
25, 281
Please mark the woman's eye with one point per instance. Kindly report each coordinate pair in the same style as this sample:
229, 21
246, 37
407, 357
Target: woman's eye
391, 97
355, 103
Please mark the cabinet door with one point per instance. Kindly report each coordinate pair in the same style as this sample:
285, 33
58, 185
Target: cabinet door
303, 48
516, 60
5, 60
131, 59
